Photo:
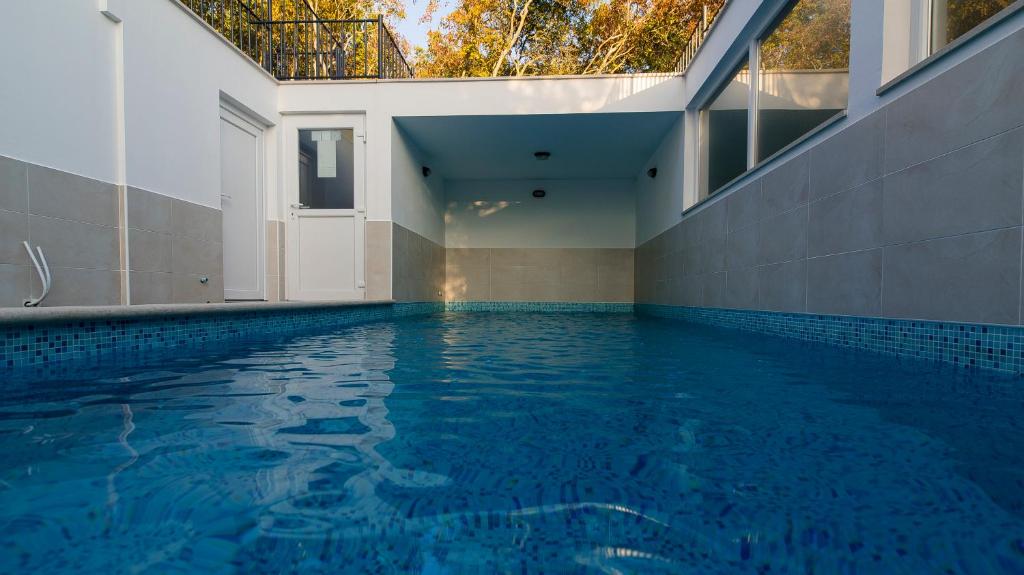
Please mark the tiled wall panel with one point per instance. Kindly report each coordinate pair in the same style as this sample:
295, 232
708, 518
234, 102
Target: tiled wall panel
75, 221
275, 261
912, 212
172, 246
378, 259
539, 275
417, 267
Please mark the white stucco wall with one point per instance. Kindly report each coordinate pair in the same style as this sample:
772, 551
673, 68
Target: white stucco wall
57, 98
659, 200
175, 73
418, 201
573, 214
381, 101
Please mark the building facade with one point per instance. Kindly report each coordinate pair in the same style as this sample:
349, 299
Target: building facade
879, 174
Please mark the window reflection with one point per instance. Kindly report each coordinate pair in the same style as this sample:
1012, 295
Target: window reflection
724, 123
952, 19
804, 72
326, 169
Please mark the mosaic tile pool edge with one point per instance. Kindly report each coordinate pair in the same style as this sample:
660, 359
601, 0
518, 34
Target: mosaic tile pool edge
69, 343
538, 306
985, 346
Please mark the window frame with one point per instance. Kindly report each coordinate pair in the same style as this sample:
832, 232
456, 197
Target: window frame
703, 132
919, 43
753, 60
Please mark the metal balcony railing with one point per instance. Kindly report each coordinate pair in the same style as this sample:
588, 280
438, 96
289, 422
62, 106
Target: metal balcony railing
698, 36
303, 46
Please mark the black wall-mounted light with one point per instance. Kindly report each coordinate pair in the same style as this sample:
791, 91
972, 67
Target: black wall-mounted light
653, 172
539, 193
426, 171
542, 155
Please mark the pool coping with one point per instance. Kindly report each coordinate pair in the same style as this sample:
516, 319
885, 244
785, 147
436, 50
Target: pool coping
71, 314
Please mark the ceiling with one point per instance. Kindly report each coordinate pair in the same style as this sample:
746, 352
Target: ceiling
502, 147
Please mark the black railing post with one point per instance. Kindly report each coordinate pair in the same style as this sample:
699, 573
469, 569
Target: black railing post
302, 54
270, 37
380, 46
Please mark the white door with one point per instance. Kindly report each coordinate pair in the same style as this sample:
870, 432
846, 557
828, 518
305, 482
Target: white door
324, 187
241, 200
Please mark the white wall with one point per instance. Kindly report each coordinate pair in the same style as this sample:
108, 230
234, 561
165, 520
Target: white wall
659, 200
57, 97
175, 72
418, 201
574, 214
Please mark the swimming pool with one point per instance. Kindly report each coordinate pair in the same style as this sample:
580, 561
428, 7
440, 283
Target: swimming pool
494, 443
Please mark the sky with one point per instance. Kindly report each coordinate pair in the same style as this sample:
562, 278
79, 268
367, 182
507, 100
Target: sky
411, 28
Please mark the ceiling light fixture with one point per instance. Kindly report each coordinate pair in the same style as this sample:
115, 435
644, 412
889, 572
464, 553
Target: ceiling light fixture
653, 172
539, 193
542, 155
426, 171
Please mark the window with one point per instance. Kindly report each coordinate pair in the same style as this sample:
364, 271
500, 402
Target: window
916, 29
804, 75
326, 169
951, 19
725, 128
801, 80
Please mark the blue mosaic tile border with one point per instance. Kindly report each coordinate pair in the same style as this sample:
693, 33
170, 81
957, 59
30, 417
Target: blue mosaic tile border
539, 306
985, 346
87, 342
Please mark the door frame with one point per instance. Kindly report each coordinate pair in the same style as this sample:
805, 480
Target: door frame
291, 125
245, 122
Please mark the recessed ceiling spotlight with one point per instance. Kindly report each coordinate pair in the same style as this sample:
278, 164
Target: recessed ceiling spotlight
539, 193
653, 172
542, 155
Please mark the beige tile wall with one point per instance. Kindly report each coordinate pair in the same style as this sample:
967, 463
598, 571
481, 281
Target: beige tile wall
539, 274
275, 261
74, 219
378, 260
172, 246
418, 267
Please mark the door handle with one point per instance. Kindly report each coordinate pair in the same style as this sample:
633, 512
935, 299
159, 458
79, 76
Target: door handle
299, 206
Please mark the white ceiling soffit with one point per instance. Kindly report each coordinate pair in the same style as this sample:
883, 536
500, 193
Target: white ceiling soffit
502, 147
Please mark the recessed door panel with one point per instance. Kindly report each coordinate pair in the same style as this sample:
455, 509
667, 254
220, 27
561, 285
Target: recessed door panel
326, 215
241, 196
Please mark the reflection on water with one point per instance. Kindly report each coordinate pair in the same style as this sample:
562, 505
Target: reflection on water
515, 443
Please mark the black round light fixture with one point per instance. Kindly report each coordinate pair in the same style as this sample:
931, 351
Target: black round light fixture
653, 172
426, 171
542, 155
539, 193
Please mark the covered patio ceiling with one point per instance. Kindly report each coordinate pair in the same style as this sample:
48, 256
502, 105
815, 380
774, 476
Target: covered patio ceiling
582, 146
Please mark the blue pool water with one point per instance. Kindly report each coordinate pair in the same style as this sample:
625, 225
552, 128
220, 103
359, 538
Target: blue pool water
515, 443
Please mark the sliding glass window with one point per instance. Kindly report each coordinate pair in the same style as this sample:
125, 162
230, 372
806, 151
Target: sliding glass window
804, 72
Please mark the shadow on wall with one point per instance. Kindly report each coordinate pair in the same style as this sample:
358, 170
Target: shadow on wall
641, 92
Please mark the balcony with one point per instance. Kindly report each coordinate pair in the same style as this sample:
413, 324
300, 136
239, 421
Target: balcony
294, 43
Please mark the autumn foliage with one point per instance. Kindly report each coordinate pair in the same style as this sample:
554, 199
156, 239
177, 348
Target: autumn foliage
549, 37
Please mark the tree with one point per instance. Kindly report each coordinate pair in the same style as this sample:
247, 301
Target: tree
539, 37
814, 35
